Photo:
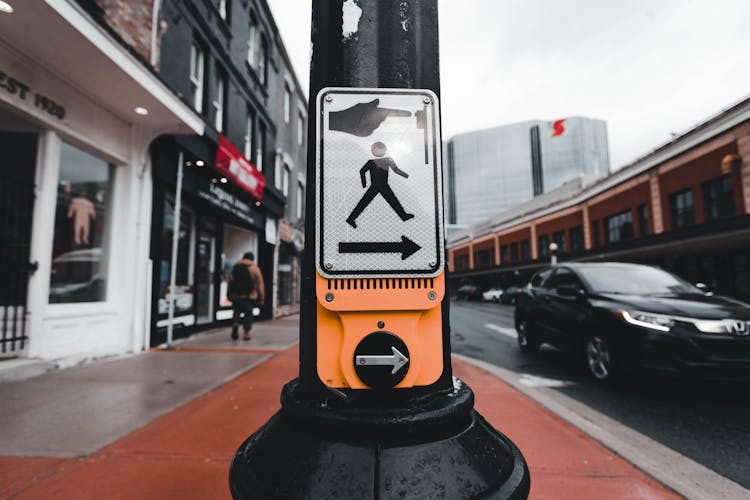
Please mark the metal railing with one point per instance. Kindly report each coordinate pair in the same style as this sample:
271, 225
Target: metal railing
16, 207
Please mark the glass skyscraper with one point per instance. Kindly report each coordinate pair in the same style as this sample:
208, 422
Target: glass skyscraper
491, 170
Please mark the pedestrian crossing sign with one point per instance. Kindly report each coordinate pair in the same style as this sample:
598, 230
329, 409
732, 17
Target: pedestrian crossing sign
379, 207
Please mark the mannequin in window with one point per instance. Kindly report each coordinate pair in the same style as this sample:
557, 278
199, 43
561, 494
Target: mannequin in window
82, 211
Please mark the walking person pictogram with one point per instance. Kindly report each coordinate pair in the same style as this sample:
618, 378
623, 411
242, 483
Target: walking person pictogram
378, 168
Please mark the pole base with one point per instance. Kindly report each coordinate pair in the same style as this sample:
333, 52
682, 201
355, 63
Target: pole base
438, 447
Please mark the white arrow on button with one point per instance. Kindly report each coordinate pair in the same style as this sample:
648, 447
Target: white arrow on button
397, 360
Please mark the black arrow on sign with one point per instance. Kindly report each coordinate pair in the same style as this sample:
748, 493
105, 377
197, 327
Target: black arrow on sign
405, 247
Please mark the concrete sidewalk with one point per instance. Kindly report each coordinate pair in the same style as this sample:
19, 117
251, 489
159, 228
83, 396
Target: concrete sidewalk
162, 439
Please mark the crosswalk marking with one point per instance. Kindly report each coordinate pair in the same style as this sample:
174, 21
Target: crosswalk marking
537, 381
509, 332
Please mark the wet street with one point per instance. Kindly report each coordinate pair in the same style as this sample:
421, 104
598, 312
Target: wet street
706, 422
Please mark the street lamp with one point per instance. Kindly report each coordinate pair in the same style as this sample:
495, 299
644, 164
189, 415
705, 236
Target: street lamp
553, 253
175, 244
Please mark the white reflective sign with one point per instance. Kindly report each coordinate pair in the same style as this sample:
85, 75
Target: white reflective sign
379, 206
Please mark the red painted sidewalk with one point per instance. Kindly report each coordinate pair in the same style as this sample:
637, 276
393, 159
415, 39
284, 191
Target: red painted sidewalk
186, 453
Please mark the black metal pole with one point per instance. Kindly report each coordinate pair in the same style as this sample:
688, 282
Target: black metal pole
425, 442
395, 45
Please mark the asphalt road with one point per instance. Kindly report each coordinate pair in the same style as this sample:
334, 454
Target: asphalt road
707, 422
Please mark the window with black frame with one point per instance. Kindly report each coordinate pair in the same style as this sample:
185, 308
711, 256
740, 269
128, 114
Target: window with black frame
643, 219
544, 245
219, 98
719, 198
260, 146
197, 65
559, 237
249, 131
619, 227
263, 60
525, 250
223, 6
681, 205
462, 262
287, 103
483, 259
504, 256
576, 239
252, 42
286, 257
514, 252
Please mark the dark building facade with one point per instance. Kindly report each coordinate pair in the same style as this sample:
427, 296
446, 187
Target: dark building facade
226, 60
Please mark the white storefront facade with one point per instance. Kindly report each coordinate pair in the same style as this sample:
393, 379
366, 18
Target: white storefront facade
78, 113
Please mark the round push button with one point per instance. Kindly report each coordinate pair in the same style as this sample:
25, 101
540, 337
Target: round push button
381, 360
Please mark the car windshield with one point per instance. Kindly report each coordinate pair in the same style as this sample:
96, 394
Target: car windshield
637, 280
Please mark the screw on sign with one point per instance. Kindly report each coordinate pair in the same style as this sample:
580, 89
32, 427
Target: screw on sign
379, 238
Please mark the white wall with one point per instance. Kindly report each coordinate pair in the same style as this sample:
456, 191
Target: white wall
116, 325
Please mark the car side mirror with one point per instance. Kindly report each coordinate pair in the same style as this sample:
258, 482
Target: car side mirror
704, 288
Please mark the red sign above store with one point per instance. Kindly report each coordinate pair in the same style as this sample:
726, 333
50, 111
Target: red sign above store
231, 163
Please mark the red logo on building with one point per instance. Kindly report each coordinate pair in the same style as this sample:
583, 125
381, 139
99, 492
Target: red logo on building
558, 128
233, 164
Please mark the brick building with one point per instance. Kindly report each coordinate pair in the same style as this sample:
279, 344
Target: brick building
684, 206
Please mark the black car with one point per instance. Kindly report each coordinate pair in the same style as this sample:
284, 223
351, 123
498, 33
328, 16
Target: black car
469, 292
625, 316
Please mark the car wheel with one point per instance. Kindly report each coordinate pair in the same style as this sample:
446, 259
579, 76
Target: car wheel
527, 341
599, 358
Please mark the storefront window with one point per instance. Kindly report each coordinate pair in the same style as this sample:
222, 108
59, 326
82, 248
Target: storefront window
185, 259
80, 248
286, 256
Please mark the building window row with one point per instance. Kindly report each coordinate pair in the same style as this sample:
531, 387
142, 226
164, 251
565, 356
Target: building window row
515, 252
461, 262
716, 201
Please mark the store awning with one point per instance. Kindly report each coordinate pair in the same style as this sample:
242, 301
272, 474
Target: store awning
61, 37
232, 164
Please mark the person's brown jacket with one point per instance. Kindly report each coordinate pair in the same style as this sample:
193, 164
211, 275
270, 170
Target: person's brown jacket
259, 293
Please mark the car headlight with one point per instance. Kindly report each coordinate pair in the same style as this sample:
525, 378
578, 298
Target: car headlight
652, 321
713, 326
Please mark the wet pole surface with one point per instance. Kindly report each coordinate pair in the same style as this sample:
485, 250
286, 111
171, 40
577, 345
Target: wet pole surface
186, 453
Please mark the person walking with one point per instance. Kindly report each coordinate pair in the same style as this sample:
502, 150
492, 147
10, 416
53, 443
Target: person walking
246, 291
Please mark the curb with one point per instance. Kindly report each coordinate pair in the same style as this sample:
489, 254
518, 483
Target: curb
683, 475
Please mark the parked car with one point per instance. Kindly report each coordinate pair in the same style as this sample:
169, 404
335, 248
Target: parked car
620, 317
469, 292
492, 295
509, 295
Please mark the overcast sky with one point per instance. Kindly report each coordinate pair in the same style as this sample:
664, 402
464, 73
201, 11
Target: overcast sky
649, 68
